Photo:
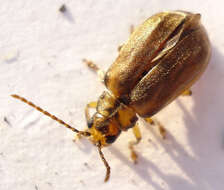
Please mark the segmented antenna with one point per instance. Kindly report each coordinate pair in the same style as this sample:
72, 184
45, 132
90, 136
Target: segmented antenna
84, 133
104, 161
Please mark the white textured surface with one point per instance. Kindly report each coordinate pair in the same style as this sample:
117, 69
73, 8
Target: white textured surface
41, 52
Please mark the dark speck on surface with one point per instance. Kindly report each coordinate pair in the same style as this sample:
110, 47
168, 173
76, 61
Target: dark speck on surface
7, 121
62, 9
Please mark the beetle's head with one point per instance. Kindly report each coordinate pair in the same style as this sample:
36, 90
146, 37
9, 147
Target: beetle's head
103, 130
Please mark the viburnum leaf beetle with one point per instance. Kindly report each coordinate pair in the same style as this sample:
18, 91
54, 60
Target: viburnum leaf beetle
161, 60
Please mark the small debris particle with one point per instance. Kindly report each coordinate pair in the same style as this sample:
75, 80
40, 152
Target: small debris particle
63, 8
7, 121
50, 184
134, 182
11, 57
82, 182
87, 165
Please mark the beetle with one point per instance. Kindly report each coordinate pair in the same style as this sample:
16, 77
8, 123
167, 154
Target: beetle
162, 59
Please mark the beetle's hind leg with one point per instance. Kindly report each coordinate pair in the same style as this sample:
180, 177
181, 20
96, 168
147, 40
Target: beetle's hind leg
95, 68
149, 120
138, 137
161, 129
187, 92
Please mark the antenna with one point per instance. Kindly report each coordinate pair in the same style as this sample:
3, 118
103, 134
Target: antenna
104, 161
84, 133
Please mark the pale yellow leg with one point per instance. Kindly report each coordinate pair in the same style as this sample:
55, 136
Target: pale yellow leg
87, 115
88, 106
149, 120
138, 137
187, 92
95, 68
162, 130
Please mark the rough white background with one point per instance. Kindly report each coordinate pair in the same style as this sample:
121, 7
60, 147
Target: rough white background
40, 58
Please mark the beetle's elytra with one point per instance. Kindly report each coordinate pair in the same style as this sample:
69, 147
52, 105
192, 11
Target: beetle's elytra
162, 59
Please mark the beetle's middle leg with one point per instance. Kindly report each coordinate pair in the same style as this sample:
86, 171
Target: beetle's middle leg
138, 137
95, 68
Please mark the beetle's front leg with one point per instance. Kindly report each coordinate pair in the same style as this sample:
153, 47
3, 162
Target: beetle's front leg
88, 106
138, 137
87, 116
95, 68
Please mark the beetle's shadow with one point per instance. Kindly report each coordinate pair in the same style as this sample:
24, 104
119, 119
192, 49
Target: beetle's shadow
205, 137
204, 126
145, 167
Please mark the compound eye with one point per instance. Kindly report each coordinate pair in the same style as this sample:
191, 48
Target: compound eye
104, 128
96, 119
90, 123
110, 139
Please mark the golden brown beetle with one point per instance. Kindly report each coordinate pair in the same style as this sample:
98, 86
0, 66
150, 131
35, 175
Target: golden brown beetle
162, 59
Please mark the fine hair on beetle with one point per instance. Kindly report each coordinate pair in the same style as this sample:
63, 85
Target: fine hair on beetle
161, 60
